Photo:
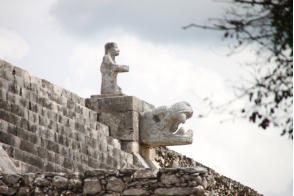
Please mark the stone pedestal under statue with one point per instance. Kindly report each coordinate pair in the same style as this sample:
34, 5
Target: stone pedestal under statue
122, 115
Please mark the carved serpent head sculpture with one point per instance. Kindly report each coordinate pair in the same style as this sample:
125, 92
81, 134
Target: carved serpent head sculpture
159, 127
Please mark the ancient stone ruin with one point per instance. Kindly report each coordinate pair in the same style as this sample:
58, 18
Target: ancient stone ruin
53, 142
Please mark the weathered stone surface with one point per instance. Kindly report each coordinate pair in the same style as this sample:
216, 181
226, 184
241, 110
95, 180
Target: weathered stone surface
28, 178
159, 127
11, 179
6, 190
74, 183
38, 191
41, 181
175, 191
109, 70
169, 179
60, 182
115, 184
123, 126
117, 104
145, 173
130, 146
91, 186
23, 191
135, 191
97, 172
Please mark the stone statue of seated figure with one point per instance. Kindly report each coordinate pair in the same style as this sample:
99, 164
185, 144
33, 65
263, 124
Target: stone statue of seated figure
109, 70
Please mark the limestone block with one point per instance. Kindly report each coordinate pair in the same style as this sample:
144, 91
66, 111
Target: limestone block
19, 111
33, 117
130, 146
28, 147
4, 84
176, 191
4, 125
115, 184
135, 191
41, 181
60, 182
2, 93
110, 150
47, 85
93, 162
6, 70
9, 139
23, 191
67, 163
6, 190
28, 136
24, 102
169, 179
75, 183
128, 157
113, 142
102, 129
4, 105
5, 66
11, 118
11, 97
117, 104
123, 126
50, 145
29, 158
110, 161
35, 83
145, 173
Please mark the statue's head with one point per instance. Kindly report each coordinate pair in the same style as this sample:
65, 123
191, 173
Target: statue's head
111, 48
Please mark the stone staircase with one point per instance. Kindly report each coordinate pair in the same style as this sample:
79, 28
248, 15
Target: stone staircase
46, 128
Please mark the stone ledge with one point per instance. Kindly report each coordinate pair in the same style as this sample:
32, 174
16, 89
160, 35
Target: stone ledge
117, 104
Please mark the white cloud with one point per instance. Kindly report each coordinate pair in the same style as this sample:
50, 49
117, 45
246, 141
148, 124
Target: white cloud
153, 20
12, 46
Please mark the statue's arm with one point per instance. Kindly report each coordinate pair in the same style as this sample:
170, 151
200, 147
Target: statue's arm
117, 68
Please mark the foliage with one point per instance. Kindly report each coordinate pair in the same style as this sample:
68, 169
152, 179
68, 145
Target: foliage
268, 26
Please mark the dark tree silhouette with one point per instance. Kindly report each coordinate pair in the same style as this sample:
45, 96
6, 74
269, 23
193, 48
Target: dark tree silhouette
268, 26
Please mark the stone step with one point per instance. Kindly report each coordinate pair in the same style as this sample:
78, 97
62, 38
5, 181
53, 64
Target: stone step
42, 106
62, 135
28, 128
50, 119
52, 141
107, 156
48, 160
43, 158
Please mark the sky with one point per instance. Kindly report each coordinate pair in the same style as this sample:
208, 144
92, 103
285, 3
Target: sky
62, 41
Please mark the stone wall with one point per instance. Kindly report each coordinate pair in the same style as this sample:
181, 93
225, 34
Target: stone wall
187, 181
196, 181
221, 185
46, 128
